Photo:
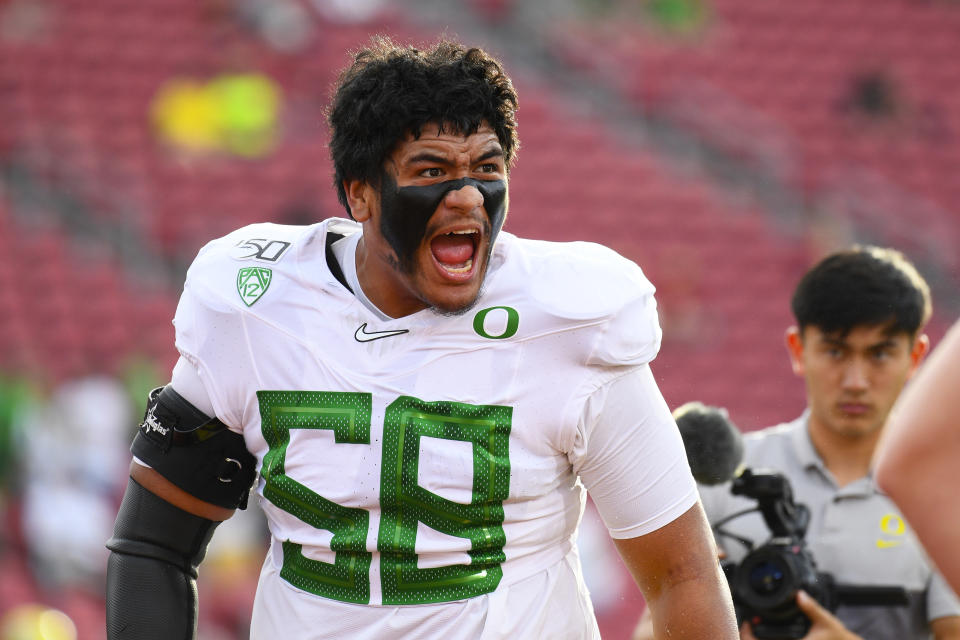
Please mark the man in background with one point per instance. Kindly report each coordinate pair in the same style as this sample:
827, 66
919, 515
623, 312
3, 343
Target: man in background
858, 338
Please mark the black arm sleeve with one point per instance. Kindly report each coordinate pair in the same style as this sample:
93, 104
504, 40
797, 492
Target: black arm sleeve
196, 453
151, 574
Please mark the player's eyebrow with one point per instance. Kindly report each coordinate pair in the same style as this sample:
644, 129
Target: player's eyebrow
426, 156
433, 158
493, 152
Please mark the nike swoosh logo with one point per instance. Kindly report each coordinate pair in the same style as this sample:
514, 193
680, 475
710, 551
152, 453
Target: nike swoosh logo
362, 335
886, 544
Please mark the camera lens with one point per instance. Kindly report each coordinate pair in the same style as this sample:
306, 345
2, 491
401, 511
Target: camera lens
766, 578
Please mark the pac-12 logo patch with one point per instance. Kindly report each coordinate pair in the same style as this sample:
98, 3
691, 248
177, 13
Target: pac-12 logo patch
252, 283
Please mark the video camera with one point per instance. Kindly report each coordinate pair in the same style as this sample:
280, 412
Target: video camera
765, 583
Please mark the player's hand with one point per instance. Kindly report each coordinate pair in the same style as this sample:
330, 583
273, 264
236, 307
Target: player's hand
826, 626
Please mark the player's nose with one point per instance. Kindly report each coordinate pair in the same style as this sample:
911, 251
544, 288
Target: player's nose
466, 198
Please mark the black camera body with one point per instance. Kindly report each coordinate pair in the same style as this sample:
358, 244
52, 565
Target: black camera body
764, 588
764, 584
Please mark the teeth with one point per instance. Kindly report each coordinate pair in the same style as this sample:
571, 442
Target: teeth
461, 269
460, 233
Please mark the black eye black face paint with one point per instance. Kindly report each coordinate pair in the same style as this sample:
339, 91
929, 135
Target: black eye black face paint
405, 211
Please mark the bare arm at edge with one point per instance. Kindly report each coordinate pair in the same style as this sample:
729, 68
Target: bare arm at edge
678, 573
919, 454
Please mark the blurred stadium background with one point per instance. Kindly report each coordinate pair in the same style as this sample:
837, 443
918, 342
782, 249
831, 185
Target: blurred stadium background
722, 144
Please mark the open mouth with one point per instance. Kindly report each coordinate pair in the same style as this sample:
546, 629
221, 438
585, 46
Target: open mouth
455, 251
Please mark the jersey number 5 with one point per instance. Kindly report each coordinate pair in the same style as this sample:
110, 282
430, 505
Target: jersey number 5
404, 503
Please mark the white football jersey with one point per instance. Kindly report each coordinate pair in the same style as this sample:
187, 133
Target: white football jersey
421, 476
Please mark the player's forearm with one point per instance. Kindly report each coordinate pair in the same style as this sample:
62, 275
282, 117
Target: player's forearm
156, 550
148, 599
694, 610
676, 568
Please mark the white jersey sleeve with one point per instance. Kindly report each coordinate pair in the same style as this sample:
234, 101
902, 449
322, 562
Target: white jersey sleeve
630, 457
626, 447
186, 381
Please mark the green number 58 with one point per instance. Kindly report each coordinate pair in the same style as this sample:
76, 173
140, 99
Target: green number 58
404, 503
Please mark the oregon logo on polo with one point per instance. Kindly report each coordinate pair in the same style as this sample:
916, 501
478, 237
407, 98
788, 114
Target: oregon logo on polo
892, 526
252, 283
496, 323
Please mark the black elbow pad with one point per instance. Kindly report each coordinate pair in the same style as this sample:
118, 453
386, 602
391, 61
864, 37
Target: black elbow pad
151, 575
196, 453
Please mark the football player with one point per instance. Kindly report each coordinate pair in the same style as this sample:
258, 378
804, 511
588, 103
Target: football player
423, 398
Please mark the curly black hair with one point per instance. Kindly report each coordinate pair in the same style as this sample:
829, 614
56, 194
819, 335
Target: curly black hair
863, 286
391, 91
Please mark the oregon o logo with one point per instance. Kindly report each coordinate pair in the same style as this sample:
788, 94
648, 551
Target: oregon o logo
892, 524
507, 320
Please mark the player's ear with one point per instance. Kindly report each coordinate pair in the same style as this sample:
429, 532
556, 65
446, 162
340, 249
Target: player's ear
793, 339
360, 197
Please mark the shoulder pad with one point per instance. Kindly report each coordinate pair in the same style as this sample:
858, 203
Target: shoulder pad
584, 283
581, 280
263, 242
234, 271
631, 335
